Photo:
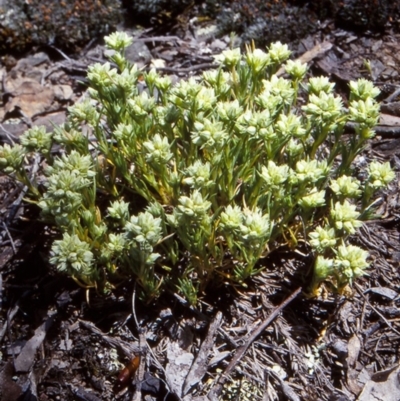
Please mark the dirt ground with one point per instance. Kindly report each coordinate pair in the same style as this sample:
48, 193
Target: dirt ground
268, 342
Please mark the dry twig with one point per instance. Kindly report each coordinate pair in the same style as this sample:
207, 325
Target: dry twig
215, 392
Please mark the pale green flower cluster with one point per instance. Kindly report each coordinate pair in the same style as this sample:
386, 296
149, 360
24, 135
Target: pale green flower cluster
209, 134
157, 150
72, 256
144, 228
346, 187
37, 139
248, 226
11, 158
296, 69
118, 41
274, 176
85, 111
380, 174
349, 263
342, 222
197, 181
119, 210
192, 208
70, 178
323, 108
198, 175
344, 215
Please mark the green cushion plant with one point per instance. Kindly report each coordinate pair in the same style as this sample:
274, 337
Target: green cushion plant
182, 185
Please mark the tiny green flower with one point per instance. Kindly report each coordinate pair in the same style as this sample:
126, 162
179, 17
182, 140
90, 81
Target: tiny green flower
155, 209
311, 170
270, 102
72, 256
194, 206
294, 147
82, 112
231, 218
65, 134
362, 89
124, 133
296, 69
274, 175
322, 238
219, 80
380, 174
118, 41
141, 106
158, 150
280, 88
352, 261
256, 227
279, 52
366, 132
365, 112
290, 125
144, 228
256, 124
101, 75
323, 268
74, 162
205, 99
64, 194
126, 81
313, 200
229, 58
163, 84
257, 60
229, 111
348, 187
316, 85
115, 246
151, 77
198, 175
184, 93
345, 217
323, 108
209, 134
119, 210
37, 139
11, 158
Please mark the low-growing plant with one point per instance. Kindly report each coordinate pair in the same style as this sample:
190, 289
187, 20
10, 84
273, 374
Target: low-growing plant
182, 185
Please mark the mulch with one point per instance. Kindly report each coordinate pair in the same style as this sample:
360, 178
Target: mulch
265, 342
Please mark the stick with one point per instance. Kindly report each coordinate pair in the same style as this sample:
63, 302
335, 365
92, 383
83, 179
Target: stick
215, 392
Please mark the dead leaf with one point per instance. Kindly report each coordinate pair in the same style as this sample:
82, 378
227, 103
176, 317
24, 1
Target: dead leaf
25, 359
199, 367
179, 360
179, 363
383, 386
384, 292
9, 390
353, 349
